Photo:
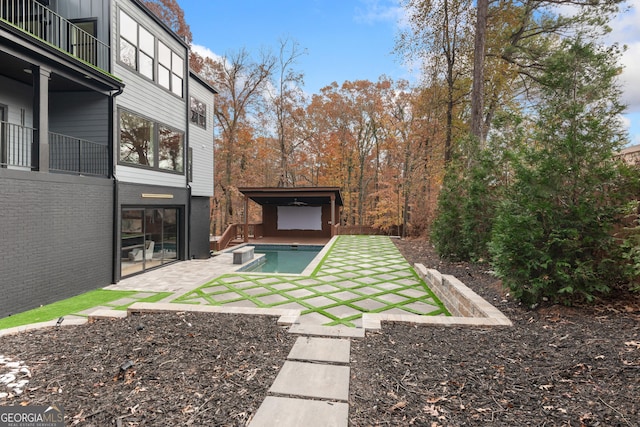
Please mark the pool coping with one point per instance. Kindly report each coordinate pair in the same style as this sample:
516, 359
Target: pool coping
308, 270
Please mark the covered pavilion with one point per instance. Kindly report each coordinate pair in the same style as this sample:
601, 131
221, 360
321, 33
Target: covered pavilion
294, 213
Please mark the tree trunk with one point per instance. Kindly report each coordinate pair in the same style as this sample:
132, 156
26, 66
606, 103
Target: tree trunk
477, 93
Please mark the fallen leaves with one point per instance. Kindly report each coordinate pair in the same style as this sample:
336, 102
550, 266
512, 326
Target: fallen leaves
635, 344
399, 405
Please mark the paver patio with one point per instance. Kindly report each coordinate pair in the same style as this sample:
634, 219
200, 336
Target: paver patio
359, 274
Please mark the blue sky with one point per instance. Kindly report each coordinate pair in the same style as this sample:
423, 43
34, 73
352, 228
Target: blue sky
353, 39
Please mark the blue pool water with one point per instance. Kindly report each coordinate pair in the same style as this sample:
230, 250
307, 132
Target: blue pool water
284, 258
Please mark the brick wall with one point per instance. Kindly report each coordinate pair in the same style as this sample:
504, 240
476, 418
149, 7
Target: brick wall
56, 237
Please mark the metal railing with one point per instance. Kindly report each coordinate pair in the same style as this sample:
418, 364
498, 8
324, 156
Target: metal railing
79, 156
43, 23
16, 143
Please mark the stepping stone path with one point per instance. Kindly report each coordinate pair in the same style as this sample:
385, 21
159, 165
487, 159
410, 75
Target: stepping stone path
312, 388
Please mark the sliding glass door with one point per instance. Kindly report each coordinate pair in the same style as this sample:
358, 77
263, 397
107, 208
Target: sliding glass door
149, 238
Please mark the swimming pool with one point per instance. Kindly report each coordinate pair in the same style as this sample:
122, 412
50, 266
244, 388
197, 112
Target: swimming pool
284, 258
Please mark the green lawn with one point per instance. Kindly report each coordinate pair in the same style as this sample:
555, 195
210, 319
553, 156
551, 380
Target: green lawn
73, 305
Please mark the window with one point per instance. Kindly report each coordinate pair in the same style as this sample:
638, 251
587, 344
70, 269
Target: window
171, 150
138, 51
147, 143
137, 46
149, 237
147, 52
198, 113
170, 69
137, 144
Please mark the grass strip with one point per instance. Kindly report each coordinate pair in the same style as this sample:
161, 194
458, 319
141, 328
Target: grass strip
152, 298
64, 307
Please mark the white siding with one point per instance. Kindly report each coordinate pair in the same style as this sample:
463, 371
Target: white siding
144, 97
201, 142
145, 176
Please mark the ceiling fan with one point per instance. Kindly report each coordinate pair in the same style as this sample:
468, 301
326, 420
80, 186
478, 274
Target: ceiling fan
297, 203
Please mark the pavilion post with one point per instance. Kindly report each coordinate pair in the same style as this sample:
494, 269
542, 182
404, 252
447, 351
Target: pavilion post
246, 219
333, 214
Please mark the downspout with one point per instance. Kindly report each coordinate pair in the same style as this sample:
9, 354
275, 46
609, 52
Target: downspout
115, 276
187, 160
190, 236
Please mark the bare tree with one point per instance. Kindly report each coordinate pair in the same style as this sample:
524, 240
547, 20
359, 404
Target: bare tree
240, 82
286, 101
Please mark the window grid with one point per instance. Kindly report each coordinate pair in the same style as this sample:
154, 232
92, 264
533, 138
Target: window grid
198, 112
138, 51
146, 143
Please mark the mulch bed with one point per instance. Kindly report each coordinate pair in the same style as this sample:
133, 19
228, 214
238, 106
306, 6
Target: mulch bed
187, 369
557, 366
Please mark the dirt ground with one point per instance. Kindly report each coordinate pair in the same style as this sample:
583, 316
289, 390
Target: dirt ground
556, 366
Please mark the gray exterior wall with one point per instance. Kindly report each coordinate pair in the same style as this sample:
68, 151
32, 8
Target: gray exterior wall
201, 142
80, 9
80, 114
199, 240
57, 234
17, 96
146, 98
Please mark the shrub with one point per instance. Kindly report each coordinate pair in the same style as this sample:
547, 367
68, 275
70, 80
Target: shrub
553, 232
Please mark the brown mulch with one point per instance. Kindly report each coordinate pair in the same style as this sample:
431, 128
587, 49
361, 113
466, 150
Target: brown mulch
557, 366
186, 369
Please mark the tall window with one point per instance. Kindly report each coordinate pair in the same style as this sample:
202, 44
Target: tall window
147, 143
137, 142
171, 150
138, 51
137, 46
170, 69
198, 113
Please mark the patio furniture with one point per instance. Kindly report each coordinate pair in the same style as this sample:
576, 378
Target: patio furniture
137, 253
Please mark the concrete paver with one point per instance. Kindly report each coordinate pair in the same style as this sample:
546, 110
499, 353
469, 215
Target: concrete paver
289, 412
319, 381
326, 331
321, 350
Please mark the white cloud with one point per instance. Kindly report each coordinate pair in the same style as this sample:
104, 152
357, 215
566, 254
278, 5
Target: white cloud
630, 77
205, 52
626, 31
373, 11
625, 121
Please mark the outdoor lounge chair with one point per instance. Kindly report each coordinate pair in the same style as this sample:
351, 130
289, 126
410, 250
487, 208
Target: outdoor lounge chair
136, 254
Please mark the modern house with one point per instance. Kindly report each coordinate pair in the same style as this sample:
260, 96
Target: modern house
631, 154
106, 148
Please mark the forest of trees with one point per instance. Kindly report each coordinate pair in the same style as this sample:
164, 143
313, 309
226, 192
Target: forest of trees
504, 150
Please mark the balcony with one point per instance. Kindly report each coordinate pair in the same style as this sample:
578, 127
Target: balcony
66, 154
16, 143
41, 22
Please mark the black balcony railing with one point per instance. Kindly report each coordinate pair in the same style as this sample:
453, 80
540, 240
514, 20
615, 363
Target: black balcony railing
43, 23
66, 154
15, 145
74, 155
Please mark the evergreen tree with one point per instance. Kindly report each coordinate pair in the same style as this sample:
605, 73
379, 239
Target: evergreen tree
552, 236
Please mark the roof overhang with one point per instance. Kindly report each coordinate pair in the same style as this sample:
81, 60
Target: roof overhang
300, 196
